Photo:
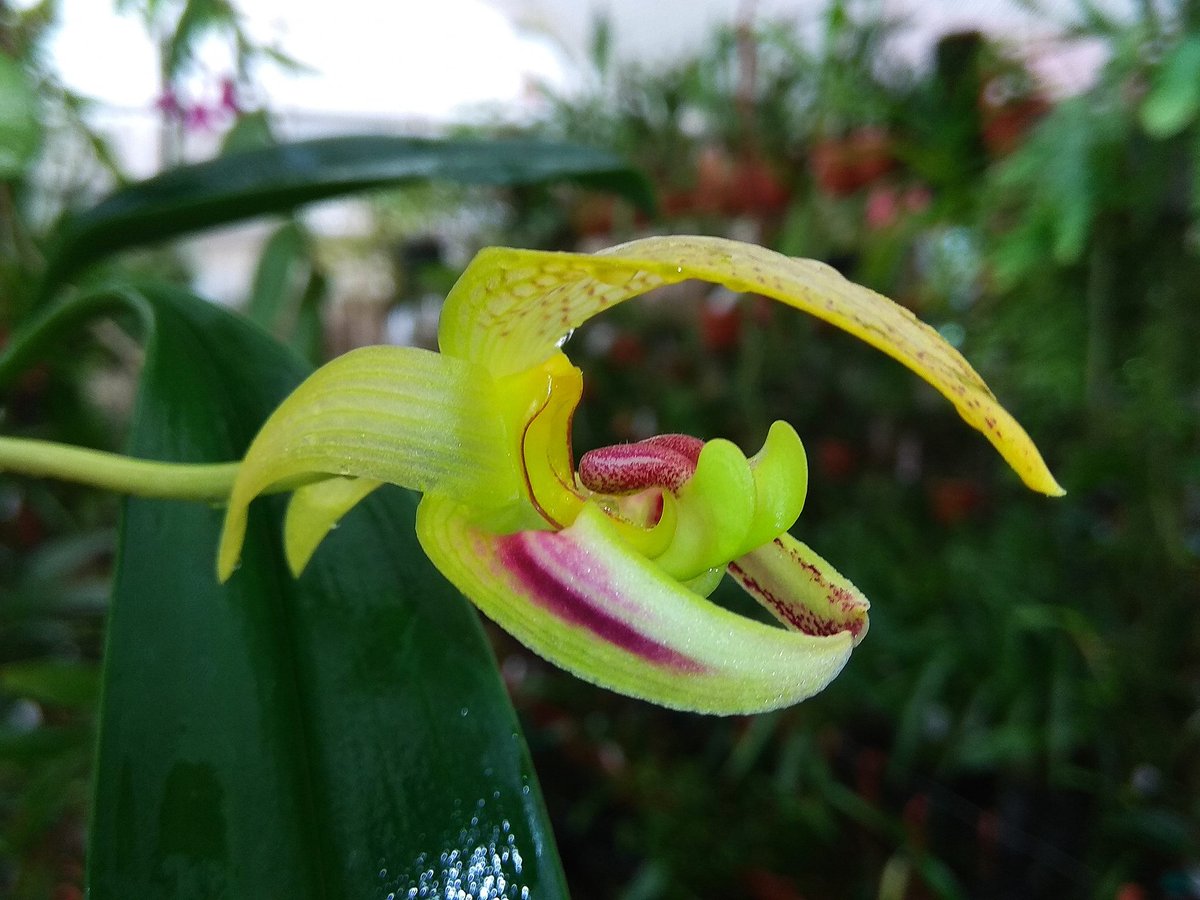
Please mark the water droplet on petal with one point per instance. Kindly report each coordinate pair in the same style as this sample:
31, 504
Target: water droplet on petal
563, 340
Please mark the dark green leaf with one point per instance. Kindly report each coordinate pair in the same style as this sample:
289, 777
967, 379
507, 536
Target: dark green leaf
54, 683
332, 737
280, 279
289, 291
41, 744
278, 179
1195, 173
307, 333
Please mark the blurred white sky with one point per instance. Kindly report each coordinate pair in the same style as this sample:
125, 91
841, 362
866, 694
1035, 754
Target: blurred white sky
409, 59
431, 60
412, 64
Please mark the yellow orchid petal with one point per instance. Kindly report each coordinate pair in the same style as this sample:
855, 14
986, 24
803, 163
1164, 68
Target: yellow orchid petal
605, 570
512, 308
314, 510
586, 601
780, 471
715, 509
706, 582
388, 414
538, 406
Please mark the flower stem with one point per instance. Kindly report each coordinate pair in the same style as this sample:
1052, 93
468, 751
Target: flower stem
111, 471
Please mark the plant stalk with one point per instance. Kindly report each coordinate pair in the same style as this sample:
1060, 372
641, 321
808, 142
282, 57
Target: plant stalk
111, 471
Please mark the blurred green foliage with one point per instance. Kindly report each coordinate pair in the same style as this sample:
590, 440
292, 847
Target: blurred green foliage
1024, 717
248, 733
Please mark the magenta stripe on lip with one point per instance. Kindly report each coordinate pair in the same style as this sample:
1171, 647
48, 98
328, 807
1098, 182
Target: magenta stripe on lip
544, 565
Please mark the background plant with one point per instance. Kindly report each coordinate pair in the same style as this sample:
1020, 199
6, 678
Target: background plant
1006, 734
1022, 719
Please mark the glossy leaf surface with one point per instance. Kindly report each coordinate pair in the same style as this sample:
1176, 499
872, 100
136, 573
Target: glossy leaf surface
250, 183
342, 735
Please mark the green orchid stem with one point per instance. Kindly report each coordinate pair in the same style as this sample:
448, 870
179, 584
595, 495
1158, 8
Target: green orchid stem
206, 482
97, 468
111, 471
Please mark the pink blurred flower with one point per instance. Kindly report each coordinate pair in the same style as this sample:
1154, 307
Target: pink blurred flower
883, 207
198, 117
917, 199
168, 104
229, 96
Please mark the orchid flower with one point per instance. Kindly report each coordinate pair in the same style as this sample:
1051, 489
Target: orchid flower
604, 568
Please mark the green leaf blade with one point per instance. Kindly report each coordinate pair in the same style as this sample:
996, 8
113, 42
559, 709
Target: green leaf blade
277, 179
282, 738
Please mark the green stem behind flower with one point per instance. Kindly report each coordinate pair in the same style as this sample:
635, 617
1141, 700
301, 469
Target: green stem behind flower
111, 471
97, 468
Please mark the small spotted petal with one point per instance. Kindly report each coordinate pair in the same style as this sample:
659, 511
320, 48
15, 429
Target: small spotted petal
802, 590
314, 510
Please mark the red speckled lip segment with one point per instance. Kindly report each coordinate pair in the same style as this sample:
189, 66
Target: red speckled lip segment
567, 581
666, 461
801, 589
798, 617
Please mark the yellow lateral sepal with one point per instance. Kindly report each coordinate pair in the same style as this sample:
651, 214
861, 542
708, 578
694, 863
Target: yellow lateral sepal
388, 414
